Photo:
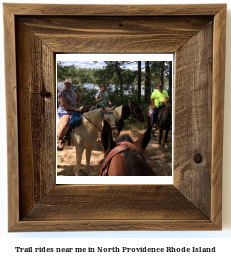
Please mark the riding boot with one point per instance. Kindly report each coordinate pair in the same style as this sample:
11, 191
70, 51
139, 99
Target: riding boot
60, 145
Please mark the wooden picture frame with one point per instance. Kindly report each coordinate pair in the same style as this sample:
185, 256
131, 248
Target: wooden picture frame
33, 34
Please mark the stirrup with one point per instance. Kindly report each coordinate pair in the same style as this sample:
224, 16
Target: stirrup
60, 145
155, 126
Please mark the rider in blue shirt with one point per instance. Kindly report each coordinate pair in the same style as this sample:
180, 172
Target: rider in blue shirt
102, 97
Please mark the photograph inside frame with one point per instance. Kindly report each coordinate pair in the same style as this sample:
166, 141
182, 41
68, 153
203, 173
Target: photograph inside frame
114, 119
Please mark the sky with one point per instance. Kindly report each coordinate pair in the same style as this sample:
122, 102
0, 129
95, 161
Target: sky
98, 65
86, 60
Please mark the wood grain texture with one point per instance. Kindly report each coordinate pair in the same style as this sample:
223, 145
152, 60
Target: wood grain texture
36, 100
114, 202
114, 225
12, 117
114, 34
193, 126
111, 207
218, 114
115, 10
191, 203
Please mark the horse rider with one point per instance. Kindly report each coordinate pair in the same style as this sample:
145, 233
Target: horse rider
102, 97
68, 101
159, 98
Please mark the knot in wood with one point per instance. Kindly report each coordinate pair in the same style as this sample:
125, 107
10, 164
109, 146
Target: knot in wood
198, 158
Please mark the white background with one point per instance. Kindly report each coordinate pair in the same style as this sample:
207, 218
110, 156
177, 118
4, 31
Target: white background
220, 239
111, 179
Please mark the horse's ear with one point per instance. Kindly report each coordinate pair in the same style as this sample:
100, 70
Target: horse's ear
113, 108
107, 141
143, 140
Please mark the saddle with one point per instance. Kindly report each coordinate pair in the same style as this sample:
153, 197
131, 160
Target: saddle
122, 146
93, 108
160, 111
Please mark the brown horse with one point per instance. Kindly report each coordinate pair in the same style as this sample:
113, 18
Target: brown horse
164, 122
124, 157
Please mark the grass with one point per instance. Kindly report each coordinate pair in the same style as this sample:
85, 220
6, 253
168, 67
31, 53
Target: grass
133, 124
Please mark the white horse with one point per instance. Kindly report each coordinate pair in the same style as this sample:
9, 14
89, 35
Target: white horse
86, 134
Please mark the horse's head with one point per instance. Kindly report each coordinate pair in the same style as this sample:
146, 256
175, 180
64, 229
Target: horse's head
108, 116
124, 155
136, 110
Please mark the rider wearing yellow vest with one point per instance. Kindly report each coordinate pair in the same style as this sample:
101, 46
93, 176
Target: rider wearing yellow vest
158, 99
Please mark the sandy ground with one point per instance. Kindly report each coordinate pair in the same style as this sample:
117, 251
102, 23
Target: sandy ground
158, 157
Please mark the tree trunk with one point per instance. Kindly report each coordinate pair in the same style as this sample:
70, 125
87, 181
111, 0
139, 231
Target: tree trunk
162, 73
170, 80
147, 83
120, 79
139, 83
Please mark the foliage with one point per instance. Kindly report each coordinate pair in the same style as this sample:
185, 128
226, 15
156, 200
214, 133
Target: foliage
122, 83
132, 124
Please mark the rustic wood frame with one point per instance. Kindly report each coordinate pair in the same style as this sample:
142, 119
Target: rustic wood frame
196, 34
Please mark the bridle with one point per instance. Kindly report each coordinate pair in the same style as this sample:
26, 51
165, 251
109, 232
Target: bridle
133, 112
107, 112
121, 147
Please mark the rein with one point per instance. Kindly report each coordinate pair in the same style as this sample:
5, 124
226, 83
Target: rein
122, 146
102, 118
133, 112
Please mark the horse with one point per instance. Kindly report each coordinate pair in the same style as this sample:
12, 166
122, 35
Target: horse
164, 122
123, 157
122, 112
86, 134
87, 108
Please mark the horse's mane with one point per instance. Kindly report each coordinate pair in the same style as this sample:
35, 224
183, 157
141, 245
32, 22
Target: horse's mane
124, 137
136, 166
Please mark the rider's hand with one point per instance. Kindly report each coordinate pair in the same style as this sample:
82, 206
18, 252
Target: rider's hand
79, 92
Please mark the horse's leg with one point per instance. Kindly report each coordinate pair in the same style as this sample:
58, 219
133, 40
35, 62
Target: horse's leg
149, 124
88, 158
166, 137
160, 135
79, 153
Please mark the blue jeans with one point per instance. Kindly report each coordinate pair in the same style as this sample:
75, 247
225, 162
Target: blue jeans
154, 115
100, 106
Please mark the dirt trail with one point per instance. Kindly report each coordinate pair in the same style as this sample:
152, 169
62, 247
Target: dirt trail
158, 157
